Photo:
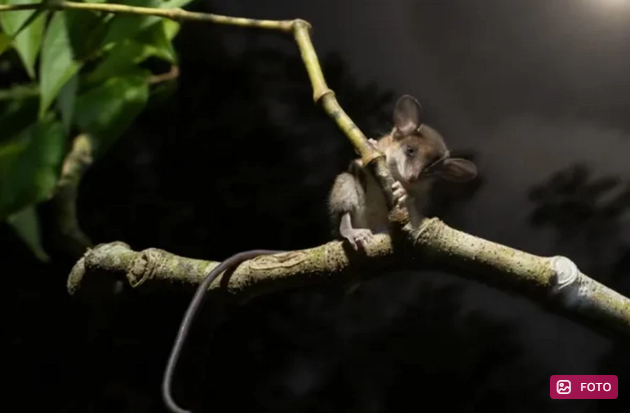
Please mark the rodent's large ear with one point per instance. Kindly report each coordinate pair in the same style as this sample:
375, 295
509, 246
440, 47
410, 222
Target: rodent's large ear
407, 115
457, 170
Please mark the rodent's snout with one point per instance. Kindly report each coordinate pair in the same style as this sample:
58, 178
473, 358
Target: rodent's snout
412, 176
408, 171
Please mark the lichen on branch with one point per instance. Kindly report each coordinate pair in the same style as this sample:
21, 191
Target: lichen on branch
327, 264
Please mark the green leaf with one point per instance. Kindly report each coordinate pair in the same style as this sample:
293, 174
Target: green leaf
128, 26
122, 58
87, 30
26, 225
17, 115
171, 28
28, 42
57, 63
158, 40
66, 100
5, 43
126, 54
29, 172
38, 12
106, 111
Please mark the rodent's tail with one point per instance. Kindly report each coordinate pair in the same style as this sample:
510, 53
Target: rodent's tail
166, 388
184, 327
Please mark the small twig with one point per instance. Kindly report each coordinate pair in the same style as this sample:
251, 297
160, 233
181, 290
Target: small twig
165, 77
77, 161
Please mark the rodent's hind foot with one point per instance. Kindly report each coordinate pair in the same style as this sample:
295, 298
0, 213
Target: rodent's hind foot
358, 237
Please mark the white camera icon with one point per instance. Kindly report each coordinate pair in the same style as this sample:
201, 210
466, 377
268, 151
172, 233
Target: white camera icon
563, 387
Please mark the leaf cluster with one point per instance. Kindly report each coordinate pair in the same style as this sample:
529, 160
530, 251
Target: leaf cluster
89, 73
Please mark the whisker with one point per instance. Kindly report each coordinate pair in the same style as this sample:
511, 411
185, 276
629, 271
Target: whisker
428, 168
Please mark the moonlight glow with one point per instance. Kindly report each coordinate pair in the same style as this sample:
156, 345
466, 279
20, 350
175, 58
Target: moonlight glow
612, 2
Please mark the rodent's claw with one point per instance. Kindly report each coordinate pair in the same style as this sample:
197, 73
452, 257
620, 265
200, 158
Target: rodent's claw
358, 237
400, 194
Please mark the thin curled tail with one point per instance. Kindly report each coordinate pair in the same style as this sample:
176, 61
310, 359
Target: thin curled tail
234, 261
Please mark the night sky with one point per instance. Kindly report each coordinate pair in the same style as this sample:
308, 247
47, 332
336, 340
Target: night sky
530, 87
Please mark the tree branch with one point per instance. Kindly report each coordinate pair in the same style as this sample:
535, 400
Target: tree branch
165, 77
554, 282
67, 229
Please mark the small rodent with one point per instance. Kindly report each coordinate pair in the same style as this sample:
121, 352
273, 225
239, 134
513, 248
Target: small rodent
416, 154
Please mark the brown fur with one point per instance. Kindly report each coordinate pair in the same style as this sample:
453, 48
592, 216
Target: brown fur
410, 149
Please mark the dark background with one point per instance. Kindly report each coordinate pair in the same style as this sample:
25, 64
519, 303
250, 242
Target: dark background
535, 91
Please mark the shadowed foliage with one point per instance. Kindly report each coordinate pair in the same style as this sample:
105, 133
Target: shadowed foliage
586, 212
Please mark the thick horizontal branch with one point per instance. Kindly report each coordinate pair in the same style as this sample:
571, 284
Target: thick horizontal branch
326, 264
554, 282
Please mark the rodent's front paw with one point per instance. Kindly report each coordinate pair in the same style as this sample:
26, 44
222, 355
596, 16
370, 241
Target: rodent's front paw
400, 194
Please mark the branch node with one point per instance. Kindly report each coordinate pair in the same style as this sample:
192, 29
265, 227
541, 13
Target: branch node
144, 266
321, 93
371, 156
178, 14
300, 23
566, 282
566, 271
426, 225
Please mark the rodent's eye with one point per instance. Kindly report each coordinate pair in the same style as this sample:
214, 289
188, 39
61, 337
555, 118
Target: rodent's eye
409, 151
